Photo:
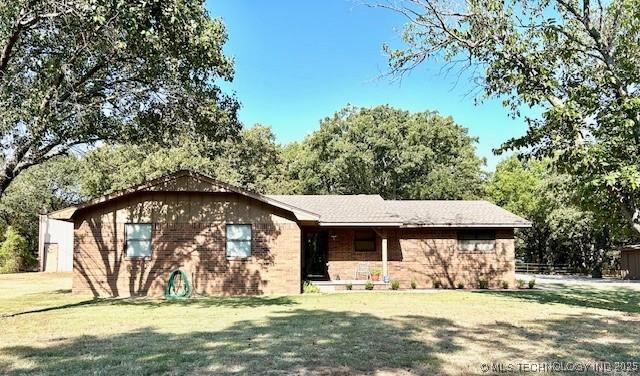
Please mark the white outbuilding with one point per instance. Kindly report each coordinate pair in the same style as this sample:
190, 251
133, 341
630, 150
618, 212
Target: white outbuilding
55, 245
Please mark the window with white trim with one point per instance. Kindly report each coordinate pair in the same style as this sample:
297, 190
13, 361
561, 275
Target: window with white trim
238, 241
473, 240
138, 239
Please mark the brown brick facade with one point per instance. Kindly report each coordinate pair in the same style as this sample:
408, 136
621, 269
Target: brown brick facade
425, 255
188, 233
188, 215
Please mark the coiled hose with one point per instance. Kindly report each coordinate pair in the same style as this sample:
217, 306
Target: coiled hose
178, 285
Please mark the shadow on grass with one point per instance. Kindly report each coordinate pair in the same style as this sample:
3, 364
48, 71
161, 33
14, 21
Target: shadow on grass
52, 308
299, 341
575, 338
206, 302
200, 302
321, 342
62, 291
614, 299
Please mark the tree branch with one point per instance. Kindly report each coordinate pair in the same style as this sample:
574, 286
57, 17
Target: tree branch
45, 154
603, 48
22, 24
14, 36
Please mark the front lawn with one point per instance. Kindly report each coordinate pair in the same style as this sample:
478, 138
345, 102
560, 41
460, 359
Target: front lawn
46, 330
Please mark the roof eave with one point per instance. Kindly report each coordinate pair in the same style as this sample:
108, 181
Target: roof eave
63, 214
359, 224
468, 225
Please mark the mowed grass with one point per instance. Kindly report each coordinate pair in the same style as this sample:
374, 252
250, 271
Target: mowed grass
47, 330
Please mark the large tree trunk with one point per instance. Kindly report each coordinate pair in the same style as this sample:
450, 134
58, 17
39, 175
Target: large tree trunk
635, 220
628, 207
13, 163
6, 177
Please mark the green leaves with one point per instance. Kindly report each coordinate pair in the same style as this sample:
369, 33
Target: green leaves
251, 160
565, 230
387, 151
82, 71
575, 62
14, 255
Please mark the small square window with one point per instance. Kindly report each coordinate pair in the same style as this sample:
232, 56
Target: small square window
364, 241
476, 240
238, 241
138, 239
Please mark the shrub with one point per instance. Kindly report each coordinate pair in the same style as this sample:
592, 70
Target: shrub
14, 255
369, 285
505, 285
532, 282
437, 284
9, 266
395, 284
310, 288
414, 283
460, 285
376, 270
483, 284
520, 283
349, 286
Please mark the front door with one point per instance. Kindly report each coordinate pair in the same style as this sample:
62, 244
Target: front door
315, 251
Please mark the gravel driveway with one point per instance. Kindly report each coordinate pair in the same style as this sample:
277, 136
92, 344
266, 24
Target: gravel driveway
544, 279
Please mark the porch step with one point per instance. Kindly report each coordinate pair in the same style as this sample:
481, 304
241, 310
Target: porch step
330, 286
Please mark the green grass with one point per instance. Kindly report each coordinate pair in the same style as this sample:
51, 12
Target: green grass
610, 298
47, 330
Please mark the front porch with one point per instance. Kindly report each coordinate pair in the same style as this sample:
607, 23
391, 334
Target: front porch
335, 257
356, 284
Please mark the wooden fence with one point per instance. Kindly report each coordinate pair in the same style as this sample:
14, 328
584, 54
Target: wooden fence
539, 268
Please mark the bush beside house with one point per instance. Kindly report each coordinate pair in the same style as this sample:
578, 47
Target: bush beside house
14, 253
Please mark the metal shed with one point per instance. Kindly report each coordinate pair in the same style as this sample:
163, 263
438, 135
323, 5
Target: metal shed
55, 245
630, 261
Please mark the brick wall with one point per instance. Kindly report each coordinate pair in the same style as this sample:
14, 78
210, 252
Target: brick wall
343, 260
426, 255
101, 267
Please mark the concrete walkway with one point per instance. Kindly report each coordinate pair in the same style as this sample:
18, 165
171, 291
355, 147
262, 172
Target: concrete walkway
544, 279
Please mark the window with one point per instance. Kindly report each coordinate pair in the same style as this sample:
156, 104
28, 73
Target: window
138, 239
364, 241
476, 240
238, 241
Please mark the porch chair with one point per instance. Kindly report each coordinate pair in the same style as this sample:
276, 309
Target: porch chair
363, 268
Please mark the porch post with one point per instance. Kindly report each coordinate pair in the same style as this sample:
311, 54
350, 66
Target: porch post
385, 268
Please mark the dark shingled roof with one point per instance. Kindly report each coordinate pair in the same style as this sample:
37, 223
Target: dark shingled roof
430, 213
436, 213
341, 208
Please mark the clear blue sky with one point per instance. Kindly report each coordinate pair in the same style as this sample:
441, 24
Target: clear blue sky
297, 62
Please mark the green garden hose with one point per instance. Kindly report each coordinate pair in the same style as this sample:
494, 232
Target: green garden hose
181, 290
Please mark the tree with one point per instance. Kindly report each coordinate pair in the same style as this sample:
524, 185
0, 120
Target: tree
14, 255
519, 186
561, 232
578, 62
76, 72
251, 160
579, 239
41, 189
392, 152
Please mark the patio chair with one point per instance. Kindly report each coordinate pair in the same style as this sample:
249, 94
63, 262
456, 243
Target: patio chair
363, 268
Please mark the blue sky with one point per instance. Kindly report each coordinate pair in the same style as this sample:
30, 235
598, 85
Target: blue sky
297, 62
